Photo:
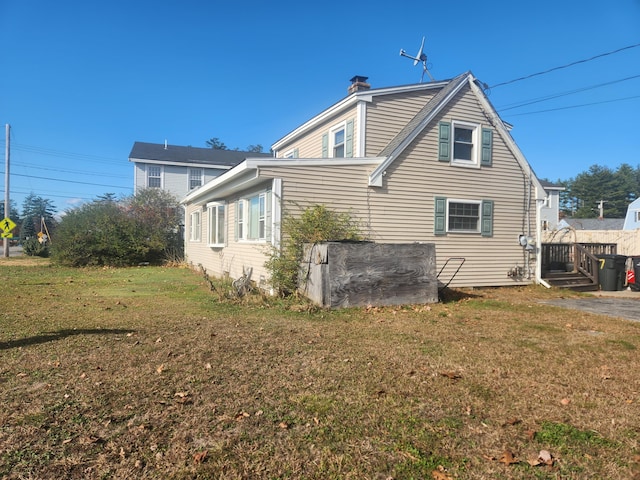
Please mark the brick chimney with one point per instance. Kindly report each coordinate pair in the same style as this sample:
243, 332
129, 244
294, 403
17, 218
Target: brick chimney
358, 84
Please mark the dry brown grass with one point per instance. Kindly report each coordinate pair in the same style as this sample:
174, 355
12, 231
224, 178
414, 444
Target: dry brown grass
143, 373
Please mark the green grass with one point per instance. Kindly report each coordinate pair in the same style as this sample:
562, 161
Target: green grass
129, 373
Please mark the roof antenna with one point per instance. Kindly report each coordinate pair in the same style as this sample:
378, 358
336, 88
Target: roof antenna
421, 57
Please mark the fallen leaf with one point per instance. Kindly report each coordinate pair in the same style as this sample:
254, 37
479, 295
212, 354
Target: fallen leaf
160, 369
259, 413
181, 394
531, 434
242, 416
543, 458
284, 425
451, 375
199, 457
508, 458
207, 366
438, 475
565, 401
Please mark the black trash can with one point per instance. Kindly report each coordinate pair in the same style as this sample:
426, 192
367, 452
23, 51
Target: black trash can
611, 272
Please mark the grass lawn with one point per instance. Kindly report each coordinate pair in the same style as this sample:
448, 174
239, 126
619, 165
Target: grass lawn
146, 373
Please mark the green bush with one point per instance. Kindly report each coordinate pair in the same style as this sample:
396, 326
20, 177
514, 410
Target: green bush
315, 224
138, 230
34, 248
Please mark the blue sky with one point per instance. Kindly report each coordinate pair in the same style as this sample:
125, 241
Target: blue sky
81, 81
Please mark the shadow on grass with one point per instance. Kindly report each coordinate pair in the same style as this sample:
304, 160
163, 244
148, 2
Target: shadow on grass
60, 334
449, 295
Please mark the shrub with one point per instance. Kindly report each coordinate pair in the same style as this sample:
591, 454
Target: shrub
315, 224
141, 229
34, 248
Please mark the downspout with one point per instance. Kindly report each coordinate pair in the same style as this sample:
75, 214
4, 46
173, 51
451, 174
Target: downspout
539, 280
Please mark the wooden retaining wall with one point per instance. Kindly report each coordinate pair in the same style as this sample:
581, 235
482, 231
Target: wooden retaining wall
348, 274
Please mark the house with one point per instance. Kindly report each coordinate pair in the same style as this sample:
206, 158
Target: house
429, 162
592, 223
550, 209
178, 169
632, 218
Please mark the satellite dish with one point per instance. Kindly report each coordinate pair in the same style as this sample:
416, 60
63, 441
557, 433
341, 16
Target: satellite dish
421, 57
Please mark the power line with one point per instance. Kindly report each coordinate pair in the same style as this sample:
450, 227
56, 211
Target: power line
68, 181
566, 65
563, 94
576, 106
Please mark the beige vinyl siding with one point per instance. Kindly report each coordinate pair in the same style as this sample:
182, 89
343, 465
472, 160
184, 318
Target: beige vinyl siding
310, 146
234, 257
404, 207
387, 115
342, 188
402, 210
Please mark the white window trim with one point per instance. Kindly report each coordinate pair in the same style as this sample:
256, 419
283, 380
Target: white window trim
213, 210
246, 218
475, 139
193, 169
289, 153
473, 202
161, 168
332, 135
195, 227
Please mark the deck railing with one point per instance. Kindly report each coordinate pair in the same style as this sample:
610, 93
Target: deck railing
586, 263
565, 256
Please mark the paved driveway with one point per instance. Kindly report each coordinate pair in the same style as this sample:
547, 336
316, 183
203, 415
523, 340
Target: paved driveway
625, 304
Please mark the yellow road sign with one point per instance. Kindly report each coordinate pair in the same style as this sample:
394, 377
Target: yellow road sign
6, 235
6, 224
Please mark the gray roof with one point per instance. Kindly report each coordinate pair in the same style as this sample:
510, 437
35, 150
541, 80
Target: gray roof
411, 127
547, 185
595, 223
174, 153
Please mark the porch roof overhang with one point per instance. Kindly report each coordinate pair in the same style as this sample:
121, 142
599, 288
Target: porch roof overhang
247, 174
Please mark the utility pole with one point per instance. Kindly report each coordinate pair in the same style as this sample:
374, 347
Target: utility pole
5, 245
601, 208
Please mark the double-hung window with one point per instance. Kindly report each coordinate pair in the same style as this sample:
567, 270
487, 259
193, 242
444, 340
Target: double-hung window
216, 220
251, 217
154, 176
464, 141
463, 216
337, 142
196, 176
465, 144
195, 226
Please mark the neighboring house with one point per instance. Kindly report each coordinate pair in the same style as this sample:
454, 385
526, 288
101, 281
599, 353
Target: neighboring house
632, 219
429, 162
179, 170
592, 223
550, 209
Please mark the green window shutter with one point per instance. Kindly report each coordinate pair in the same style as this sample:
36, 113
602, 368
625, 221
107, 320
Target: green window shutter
487, 147
440, 216
487, 218
348, 147
325, 145
295, 153
444, 141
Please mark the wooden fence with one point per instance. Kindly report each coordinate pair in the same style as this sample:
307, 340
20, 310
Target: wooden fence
628, 241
